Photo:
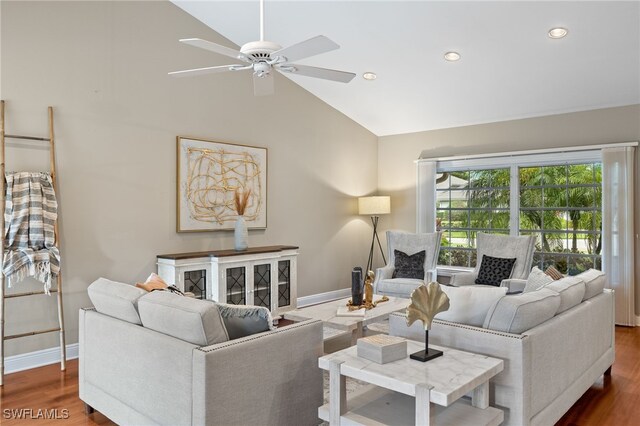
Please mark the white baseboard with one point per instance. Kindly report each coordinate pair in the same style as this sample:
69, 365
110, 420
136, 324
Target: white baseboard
15, 363
638, 320
314, 299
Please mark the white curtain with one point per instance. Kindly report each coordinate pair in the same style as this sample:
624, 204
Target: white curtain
618, 234
426, 196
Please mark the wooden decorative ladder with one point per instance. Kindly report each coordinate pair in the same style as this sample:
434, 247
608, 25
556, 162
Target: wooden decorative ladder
58, 290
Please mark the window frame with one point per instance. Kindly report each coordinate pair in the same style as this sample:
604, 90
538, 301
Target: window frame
426, 188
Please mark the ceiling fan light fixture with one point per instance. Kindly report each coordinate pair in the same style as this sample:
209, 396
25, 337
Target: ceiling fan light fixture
369, 76
452, 56
558, 32
263, 57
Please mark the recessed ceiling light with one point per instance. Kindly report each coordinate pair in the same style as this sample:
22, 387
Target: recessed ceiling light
369, 76
452, 56
558, 32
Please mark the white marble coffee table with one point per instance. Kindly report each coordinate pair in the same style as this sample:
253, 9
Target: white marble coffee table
326, 312
411, 392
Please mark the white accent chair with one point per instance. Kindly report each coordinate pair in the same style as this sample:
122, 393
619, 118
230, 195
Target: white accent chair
410, 244
504, 246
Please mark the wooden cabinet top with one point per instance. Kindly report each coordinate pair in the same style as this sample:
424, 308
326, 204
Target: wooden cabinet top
225, 253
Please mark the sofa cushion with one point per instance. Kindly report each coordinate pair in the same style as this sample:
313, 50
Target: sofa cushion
408, 266
494, 269
192, 320
398, 286
571, 290
594, 281
118, 300
241, 320
519, 313
536, 280
470, 304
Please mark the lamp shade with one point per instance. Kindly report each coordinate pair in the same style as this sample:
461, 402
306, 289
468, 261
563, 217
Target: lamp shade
373, 206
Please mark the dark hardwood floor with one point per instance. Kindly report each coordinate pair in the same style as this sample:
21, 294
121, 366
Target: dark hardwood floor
612, 400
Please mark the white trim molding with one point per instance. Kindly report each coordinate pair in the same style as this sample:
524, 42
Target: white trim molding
530, 152
35, 359
425, 196
314, 299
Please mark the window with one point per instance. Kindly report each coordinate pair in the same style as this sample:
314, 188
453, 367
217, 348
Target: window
561, 205
556, 197
467, 202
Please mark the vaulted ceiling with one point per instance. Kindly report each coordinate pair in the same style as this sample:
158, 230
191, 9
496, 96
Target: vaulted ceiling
509, 67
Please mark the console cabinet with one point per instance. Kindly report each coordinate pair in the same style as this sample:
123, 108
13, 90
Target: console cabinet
262, 276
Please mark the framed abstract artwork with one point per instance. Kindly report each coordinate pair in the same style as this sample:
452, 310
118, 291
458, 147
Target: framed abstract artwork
209, 174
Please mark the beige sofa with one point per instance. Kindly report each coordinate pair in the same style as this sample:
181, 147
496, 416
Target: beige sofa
547, 367
136, 375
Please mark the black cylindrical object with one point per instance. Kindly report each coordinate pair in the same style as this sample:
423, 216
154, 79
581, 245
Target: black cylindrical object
357, 285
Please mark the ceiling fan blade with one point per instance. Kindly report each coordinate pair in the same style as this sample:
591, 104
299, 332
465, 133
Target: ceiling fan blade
304, 49
217, 48
327, 74
201, 71
262, 86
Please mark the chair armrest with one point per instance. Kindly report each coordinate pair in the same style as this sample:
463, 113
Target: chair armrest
513, 284
384, 273
463, 278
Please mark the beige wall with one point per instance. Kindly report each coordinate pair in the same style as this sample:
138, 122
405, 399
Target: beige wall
397, 173
103, 66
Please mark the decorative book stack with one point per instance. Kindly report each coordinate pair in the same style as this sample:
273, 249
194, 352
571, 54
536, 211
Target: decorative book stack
382, 348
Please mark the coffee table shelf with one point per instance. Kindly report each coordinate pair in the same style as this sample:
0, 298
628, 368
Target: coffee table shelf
372, 405
411, 392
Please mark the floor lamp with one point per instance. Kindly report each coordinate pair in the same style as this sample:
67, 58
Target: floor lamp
374, 207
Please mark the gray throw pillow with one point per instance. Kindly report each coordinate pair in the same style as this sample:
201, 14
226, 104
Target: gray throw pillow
241, 320
408, 266
494, 269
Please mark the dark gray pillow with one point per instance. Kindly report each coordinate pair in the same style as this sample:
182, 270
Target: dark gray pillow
408, 266
494, 269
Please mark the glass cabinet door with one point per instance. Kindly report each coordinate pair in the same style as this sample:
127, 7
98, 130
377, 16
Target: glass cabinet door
284, 283
196, 283
262, 285
236, 285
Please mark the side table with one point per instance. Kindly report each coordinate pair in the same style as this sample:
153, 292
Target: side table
411, 392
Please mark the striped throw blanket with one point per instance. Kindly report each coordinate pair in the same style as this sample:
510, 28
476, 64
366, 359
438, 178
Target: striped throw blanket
30, 214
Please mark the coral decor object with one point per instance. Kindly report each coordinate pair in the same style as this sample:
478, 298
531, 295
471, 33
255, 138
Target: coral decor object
426, 302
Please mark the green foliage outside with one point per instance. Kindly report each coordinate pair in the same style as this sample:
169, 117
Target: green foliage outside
561, 205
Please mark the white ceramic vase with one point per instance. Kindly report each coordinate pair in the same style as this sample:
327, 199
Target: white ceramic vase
241, 234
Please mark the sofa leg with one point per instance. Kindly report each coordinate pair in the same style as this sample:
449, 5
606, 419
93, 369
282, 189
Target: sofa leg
607, 372
88, 409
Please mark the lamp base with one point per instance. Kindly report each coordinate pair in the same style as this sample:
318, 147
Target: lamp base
426, 355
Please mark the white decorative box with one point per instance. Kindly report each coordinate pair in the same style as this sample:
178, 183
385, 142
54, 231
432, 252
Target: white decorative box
382, 348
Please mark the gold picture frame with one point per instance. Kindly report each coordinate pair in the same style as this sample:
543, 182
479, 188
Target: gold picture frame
208, 175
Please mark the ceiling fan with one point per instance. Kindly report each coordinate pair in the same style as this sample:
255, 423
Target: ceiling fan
262, 57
